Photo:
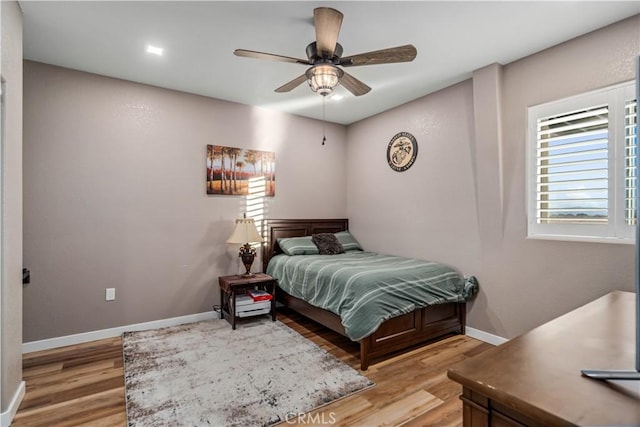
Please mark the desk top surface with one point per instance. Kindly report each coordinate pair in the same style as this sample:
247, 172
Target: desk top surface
538, 373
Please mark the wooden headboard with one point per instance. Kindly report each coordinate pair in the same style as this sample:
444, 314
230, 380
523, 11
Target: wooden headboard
277, 228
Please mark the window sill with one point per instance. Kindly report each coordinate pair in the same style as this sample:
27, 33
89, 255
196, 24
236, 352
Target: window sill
583, 239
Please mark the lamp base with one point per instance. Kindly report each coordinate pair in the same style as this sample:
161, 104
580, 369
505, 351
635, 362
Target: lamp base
247, 275
247, 254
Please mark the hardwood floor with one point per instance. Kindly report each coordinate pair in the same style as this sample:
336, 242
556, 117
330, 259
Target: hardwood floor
72, 386
83, 385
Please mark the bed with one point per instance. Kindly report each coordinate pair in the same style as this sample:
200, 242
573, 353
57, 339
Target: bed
396, 334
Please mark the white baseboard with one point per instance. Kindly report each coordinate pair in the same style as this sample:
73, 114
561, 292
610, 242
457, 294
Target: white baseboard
484, 336
114, 332
47, 344
7, 416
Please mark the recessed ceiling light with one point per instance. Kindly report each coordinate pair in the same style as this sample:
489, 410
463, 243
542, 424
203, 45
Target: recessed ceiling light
154, 50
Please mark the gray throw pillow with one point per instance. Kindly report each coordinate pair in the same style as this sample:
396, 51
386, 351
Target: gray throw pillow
327, 243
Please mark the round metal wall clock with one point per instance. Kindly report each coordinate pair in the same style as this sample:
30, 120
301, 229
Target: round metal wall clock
402, 151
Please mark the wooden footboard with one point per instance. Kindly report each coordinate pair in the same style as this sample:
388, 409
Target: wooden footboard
412, 329
394, 335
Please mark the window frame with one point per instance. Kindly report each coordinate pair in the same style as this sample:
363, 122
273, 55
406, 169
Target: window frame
616, 230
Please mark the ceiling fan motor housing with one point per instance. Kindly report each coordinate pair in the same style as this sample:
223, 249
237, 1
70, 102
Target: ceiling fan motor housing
315, 57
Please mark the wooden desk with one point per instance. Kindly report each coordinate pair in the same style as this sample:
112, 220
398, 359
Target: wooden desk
535, 379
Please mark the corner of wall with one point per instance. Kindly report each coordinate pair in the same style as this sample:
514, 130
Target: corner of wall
487, 111
11, 384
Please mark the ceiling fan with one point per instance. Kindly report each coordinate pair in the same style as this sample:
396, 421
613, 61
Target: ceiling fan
325, 57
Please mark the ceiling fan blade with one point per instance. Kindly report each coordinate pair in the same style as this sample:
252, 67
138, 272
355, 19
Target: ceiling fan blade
292, 84
327, 22
354, 85
406, 53
269, 56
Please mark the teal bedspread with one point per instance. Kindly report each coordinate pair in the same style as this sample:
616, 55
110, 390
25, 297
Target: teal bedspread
366, 288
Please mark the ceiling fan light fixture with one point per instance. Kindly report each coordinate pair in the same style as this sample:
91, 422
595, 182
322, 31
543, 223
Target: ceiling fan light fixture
323, 78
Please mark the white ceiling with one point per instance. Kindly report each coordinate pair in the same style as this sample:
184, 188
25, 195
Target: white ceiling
453, 38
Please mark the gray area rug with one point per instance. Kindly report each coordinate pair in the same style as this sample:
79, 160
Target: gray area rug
206, 374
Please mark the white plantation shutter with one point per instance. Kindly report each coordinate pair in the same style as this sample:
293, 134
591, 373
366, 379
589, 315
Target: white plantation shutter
572, 179
582, 165
631, 156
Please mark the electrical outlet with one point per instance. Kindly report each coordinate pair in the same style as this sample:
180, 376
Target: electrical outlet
110, 294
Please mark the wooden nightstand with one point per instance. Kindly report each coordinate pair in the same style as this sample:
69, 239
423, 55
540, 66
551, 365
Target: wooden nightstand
232, 286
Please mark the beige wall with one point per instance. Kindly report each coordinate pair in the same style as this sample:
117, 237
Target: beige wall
463, 201
115, 196
11, 233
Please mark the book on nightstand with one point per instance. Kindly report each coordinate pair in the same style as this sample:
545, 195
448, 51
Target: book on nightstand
258, 295
253, 312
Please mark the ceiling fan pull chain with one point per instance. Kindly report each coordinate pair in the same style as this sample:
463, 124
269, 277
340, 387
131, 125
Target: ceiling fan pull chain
324, 122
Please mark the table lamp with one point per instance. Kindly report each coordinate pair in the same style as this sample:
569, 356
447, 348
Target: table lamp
244, 234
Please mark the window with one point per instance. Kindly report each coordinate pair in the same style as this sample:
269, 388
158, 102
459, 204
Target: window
582, 167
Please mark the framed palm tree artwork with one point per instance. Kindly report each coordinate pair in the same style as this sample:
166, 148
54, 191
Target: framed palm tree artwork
240, 172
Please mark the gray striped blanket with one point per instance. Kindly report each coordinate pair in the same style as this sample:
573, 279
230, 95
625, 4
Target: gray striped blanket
366, 288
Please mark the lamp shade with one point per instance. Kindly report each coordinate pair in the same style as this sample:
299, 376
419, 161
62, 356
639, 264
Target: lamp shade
245, 232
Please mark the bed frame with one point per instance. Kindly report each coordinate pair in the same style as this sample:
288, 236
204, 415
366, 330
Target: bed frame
394, 335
